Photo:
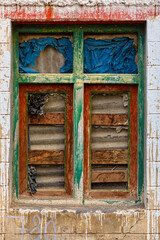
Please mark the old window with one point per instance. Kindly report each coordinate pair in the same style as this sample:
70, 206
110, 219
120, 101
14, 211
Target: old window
46, 115
111, 161
80, 95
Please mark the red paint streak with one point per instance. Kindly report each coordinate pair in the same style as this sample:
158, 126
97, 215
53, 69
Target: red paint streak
69, 14
157, 10
49, 12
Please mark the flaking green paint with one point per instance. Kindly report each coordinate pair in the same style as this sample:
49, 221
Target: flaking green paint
15, 98
78, 78
43, 78
110, 78
141, 97
78, 112
78, 139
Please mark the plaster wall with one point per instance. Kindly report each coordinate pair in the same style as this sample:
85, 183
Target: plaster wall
63, 3
50, 222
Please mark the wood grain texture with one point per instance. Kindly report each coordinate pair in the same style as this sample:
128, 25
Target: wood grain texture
23, 91
87, 135
109, 176
110, 119
23, 138
49, 118
131, 193
47, 194
133, 139
116, 156
45, 157
108, 194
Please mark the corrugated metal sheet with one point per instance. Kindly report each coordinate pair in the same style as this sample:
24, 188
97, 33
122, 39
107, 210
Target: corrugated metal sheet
50, 60
109, 137
49, 137
106, 137
109, 104
46, 137
56, 103
50, 177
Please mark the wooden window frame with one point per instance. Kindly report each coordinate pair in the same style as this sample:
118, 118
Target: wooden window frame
131, 193
23, 137
78, 79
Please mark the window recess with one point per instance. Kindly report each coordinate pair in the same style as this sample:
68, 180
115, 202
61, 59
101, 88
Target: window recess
78, 113
46, 140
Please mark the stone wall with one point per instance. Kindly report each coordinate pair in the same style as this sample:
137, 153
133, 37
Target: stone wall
26, 221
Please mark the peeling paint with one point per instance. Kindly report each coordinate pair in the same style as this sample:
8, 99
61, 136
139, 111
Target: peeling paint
63, 3
78, 12
73, 222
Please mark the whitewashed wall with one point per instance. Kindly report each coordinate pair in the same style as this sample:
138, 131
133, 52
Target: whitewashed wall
5, 79
134, 221
153, 125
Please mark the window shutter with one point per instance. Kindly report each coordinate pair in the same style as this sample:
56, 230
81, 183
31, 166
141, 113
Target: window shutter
46, 134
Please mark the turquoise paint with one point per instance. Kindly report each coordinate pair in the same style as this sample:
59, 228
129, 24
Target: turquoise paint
79, 78
78, 135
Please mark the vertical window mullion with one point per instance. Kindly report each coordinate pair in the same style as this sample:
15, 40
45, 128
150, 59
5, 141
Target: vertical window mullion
141, 106
78, 113
78, 54
16, 111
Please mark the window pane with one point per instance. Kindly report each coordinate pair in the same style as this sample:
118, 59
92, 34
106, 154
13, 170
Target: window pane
45, 53
46, 140
109, 141
110, 54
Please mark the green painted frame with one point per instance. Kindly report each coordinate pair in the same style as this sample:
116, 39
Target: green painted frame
78, 78
132, 91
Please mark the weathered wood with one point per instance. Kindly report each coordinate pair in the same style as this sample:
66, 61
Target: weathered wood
116, 156
54, 193
78, 140
46, 194
24, 89
22, 140
110, 119
131, 193
45, 157
49, 118
86, 165
133, 138
109, 176
111, 194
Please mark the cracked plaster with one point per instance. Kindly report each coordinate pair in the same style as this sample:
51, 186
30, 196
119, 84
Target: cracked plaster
62, 3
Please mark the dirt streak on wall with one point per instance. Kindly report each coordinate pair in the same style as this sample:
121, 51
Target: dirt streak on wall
45, 222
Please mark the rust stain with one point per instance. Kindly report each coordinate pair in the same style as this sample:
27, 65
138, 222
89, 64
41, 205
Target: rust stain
156, 176
157, 151
0, 144
149, 174
150, 128
152, 151
158, 224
